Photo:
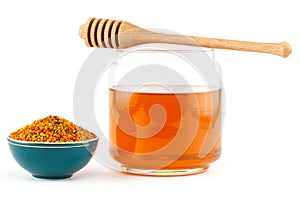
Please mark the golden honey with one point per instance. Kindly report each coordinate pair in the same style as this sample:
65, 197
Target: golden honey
188, 138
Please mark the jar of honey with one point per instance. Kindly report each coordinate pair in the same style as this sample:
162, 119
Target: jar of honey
165, 110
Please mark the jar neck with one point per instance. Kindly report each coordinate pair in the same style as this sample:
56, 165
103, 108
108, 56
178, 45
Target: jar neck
165, 64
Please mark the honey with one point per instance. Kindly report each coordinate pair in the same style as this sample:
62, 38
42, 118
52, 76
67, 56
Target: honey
155, 129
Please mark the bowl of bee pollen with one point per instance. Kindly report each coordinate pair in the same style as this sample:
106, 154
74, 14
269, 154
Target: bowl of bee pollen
52, 147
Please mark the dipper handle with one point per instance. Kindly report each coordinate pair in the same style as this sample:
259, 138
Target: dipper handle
109, 33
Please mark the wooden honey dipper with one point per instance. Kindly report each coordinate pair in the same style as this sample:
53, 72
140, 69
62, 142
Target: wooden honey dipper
109, 33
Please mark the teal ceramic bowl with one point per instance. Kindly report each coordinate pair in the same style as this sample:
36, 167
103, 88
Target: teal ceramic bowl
52, 160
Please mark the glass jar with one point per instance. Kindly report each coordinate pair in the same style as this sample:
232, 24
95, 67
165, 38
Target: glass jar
165, 110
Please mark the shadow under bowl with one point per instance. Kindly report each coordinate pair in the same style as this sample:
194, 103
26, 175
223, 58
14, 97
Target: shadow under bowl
52, 160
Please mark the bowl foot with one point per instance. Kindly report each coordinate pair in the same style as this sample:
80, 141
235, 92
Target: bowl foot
52, 176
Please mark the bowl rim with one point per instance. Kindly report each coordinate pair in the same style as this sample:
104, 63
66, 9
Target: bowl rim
52, 144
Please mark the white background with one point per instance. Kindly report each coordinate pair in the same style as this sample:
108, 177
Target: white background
41, 55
